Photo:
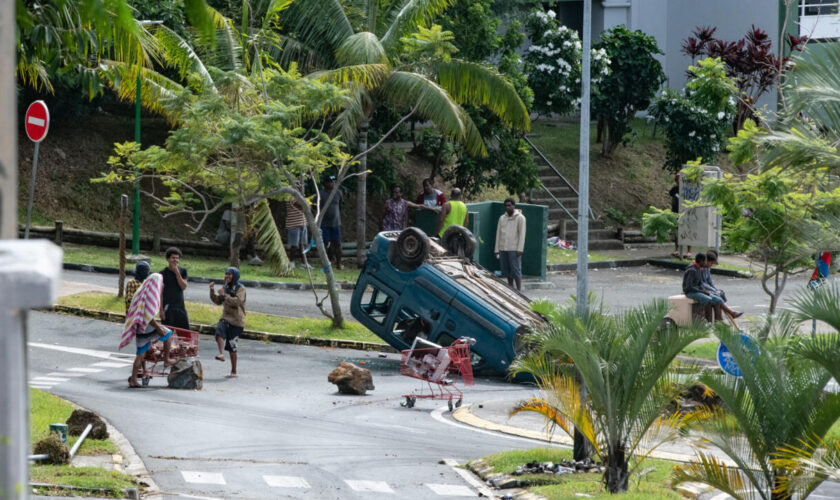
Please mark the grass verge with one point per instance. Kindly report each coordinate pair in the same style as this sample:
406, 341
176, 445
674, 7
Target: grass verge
206, 267
654, 485
556, 255
209, 314
702, 350
46, 409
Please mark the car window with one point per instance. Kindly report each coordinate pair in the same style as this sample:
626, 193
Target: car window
408, 325
376, 304
445, 339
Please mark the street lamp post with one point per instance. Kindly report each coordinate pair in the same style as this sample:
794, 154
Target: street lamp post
135, 228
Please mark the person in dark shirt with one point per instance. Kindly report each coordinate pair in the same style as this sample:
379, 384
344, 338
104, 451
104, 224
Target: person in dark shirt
711, 289
674, 193
172, 309
331, 221
692, 287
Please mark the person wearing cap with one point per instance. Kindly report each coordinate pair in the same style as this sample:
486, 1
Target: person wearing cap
141, 272
331, 221
230, 326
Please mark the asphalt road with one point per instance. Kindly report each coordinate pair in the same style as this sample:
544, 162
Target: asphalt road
618, 288
280, 430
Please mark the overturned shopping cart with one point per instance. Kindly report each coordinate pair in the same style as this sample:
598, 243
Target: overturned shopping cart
438, 366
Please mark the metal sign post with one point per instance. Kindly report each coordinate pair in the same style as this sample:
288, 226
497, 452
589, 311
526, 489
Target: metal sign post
37, 124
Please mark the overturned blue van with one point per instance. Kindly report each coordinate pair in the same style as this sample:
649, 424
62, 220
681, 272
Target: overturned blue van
414, 286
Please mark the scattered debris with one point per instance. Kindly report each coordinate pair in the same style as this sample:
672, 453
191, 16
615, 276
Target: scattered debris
57, 452
79, 419
586, 465
186, 374
351, 379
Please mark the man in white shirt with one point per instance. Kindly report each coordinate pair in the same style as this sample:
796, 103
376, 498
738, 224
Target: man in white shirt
510, 241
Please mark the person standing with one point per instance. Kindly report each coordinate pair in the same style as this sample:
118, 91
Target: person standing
674, 193
453, 212
173, 312
510, 242
331, 222
296, 234
395, 217
141, 326
229, 328
430, 197
141, 272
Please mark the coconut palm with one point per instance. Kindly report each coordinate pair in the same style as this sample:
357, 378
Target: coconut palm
779, 402
360, 44
625, 361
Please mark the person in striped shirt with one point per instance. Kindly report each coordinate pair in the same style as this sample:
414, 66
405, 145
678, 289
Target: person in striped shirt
296, 234
141, 272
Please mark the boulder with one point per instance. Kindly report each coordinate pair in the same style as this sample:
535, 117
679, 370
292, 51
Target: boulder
53, 447
351, 379
186, 374
79, 419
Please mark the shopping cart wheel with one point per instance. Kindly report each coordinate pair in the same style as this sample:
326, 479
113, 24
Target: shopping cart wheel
409, 402
458, 403
451, 406
146, 381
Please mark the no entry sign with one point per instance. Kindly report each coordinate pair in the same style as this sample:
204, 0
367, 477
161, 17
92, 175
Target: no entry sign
37, 121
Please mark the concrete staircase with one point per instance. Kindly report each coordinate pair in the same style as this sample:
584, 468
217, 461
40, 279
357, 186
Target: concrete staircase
561, 219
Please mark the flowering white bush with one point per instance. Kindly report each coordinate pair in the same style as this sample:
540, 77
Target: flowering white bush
553, 64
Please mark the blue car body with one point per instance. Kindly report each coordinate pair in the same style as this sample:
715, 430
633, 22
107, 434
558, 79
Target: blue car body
443, 299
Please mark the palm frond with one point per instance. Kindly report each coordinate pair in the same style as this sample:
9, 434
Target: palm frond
224, 49
361, 48
410, 13
807, 465
320, 24
268, 236
359, 105
155, 88
824, 349
370, 76
179, 54
710, 470
473, 83
405, 90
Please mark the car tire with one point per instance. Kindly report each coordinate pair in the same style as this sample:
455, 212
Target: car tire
409, 250
459, 241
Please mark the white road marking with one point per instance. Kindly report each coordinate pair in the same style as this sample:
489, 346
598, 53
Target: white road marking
203, 477
469, 478
372, 486
39, 386
109, 364
721, 496
40, 122
50, 379
76, 350
86, 370
65, 374
286, 482
452, 490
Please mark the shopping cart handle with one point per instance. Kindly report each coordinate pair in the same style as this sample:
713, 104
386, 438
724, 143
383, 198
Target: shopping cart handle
466, 340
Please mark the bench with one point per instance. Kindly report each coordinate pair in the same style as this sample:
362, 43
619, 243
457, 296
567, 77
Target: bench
685, 311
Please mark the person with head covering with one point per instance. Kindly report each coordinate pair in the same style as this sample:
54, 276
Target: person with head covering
141, 271
140, 324
232, 299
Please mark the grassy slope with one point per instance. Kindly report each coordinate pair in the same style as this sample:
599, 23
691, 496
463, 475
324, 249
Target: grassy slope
652, 486
209, 314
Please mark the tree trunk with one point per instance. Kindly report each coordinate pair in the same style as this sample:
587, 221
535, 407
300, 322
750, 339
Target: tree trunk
600, 135
361, 199
615, 476
436, 162
337, 318
235, 236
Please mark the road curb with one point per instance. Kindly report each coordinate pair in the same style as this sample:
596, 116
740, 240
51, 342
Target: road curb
465, 416
271, 285
278, 338
715, 270
602, 264
499, 480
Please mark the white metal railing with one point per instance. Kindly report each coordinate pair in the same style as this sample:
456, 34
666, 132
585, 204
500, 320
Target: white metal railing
819, 18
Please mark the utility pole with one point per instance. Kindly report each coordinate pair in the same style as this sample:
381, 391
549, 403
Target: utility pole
583, 200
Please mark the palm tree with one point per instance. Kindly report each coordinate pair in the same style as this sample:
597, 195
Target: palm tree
625, 361
359, 44
779, 402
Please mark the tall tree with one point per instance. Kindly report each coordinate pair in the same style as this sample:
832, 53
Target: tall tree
359, 45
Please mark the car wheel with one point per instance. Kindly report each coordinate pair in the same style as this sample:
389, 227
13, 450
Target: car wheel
459, 241
410, 249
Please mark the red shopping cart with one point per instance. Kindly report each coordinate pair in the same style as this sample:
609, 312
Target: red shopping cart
437, 365
184, 345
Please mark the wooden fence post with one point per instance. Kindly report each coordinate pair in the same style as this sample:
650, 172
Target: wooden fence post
59, 232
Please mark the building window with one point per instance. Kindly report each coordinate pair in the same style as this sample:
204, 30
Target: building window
819, 19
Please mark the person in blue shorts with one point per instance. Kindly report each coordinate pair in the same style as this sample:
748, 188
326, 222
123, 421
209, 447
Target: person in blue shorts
331, 221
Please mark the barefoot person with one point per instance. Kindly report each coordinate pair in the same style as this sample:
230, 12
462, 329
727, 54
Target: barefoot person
140, 324
232, 299
709, 286
173, 311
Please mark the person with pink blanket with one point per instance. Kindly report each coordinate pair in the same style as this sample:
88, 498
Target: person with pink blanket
140, 324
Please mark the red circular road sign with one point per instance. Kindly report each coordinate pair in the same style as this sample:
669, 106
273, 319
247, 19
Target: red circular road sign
37, 121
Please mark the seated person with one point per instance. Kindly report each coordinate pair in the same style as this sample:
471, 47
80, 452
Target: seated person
692, 287
709, 286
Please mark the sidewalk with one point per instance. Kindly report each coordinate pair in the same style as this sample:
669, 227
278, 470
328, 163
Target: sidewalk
493, 416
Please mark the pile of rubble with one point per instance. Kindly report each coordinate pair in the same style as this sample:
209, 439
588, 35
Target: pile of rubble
563, 467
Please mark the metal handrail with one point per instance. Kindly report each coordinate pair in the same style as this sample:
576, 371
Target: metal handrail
562, 178
558, 202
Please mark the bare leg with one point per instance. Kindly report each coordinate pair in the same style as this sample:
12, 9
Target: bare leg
730, 312
718, 315
233, 363
166, 346
135, 370
707, 312
337, 254
518, 283
220, 343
